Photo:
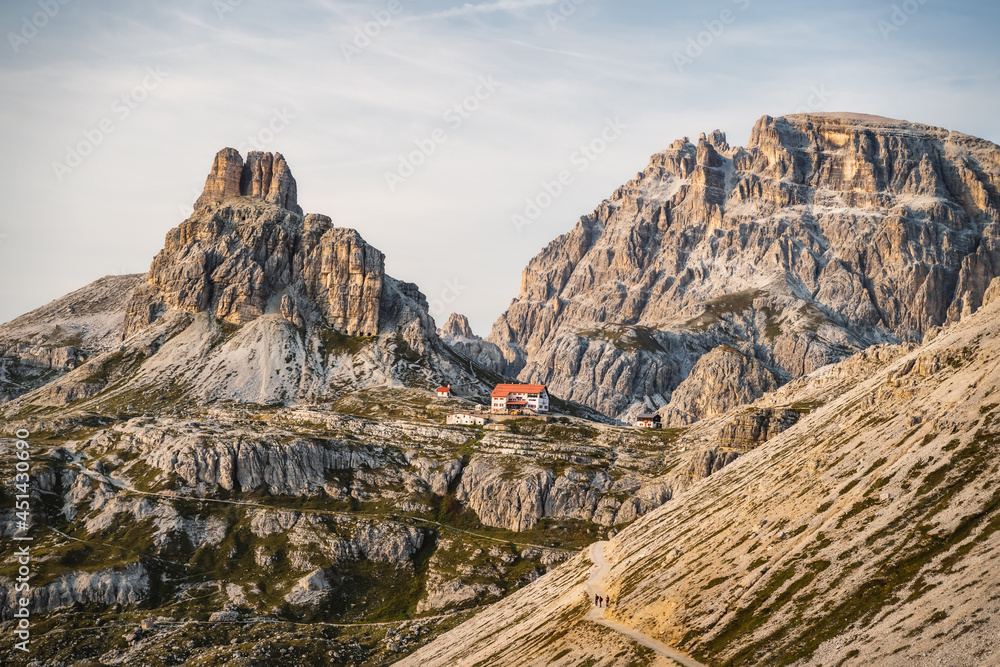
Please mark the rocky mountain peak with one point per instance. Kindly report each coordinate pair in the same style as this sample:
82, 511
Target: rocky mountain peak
716, 138
249, 300
826, 234
457, 326
241, 259
247, 251
458, 334
264, 176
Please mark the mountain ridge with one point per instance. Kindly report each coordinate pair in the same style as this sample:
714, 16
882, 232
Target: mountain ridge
826, 234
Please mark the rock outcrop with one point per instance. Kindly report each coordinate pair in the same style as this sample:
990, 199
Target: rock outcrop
992, 292
454, 593
310, 590
124, 586
224, 178
720, 380
826, 234
457, 333
519, 501
755, 427
264, 176
240, 260
197, 463
457, 326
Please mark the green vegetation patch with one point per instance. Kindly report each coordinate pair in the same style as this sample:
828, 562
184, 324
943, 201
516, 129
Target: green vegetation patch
115, 366
625, 337
752, 616
334, 343
850, 485
856, 509
875, 466
729, 304
805, 407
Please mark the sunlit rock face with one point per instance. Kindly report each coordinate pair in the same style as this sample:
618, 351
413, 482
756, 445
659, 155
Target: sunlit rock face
826, 234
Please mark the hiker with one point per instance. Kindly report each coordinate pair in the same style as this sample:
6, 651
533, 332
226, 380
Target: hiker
597, 600
607, 602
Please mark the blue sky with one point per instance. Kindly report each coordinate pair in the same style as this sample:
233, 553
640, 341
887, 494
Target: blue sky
152, 90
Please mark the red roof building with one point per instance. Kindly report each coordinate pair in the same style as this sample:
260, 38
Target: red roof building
506, 389
506, 397
444, 392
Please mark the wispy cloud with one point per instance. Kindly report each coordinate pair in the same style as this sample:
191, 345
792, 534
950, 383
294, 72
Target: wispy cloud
490, 7
564, 52
229, 74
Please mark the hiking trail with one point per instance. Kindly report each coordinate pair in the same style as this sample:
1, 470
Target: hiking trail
595, 586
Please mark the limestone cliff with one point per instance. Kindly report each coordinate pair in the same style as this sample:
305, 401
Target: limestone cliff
826, 234
264, 176
719, 381
457, 333
457, 326
242, 259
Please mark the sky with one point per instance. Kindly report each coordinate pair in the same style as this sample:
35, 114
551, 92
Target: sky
438, 129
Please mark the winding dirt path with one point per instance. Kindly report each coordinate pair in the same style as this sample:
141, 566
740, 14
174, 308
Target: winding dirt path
595, 586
